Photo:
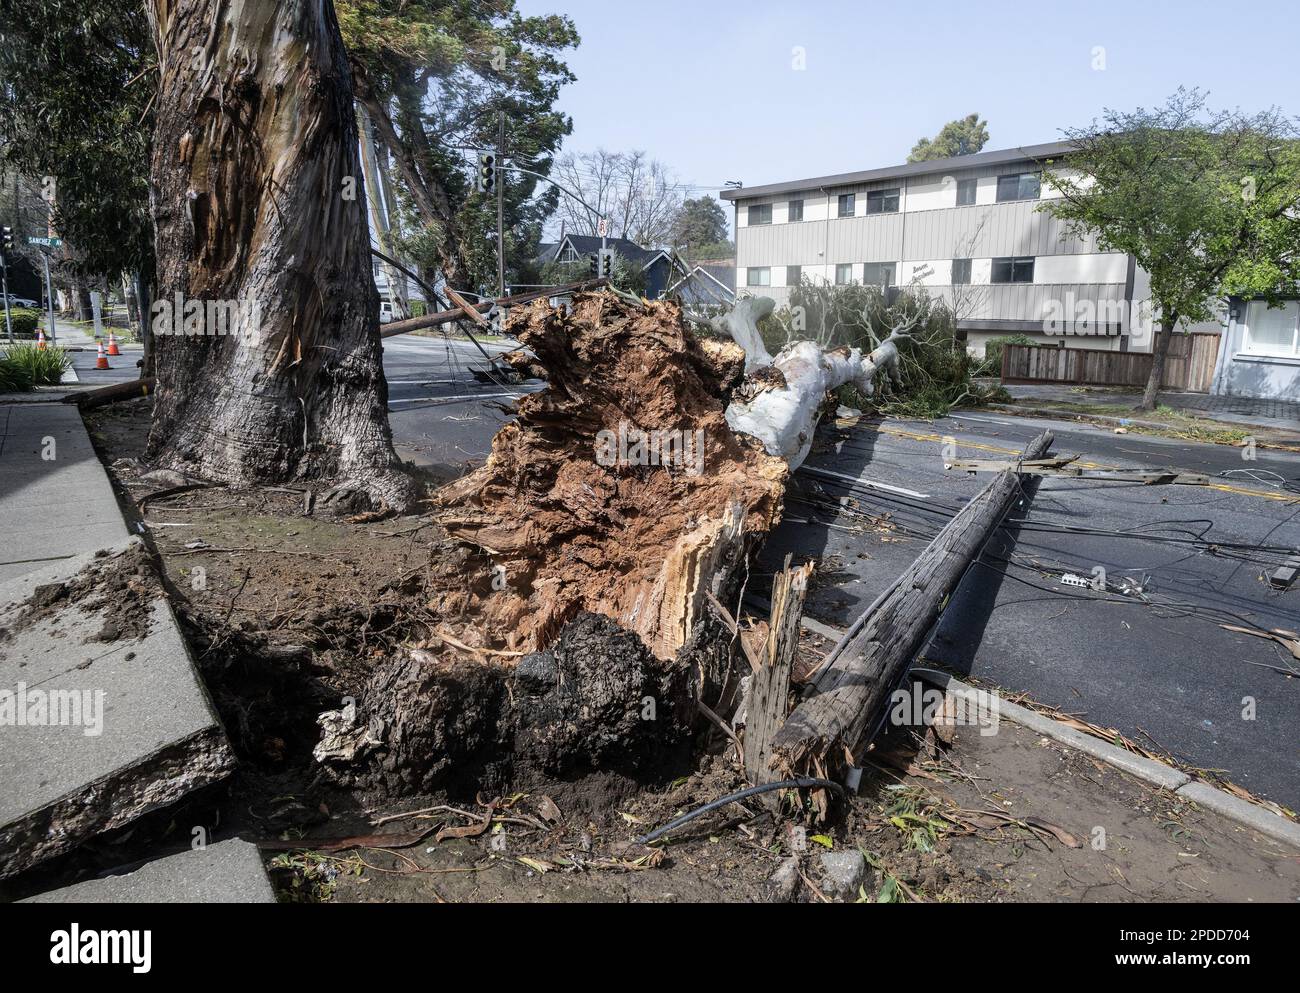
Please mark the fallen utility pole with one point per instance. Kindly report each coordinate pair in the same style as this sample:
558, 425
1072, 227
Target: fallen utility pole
1063, 467
875, 652
456, 314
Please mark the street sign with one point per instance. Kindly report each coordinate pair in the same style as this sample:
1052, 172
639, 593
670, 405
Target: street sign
47, 242
602, 228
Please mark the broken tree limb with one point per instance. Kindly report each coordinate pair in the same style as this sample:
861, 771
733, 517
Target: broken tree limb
782, 397
112, 394
768, 701
871, 658
456, 314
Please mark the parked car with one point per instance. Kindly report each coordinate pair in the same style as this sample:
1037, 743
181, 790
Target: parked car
17, 301
385, 311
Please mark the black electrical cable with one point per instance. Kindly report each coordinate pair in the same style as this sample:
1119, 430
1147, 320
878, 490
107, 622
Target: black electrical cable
800, 782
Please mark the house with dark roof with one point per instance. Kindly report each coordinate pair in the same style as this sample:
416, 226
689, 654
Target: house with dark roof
659, 267
708, 283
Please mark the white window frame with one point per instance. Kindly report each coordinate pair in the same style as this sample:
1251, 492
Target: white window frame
843, 265
755, 270
1272, 351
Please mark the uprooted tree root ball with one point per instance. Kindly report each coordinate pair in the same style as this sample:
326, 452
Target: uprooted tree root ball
571, 630
641, 540
549, 618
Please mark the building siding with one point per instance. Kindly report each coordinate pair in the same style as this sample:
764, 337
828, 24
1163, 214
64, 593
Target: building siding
927, 232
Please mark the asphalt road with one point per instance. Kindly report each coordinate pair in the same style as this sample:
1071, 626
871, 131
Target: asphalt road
443, 415
1166, 672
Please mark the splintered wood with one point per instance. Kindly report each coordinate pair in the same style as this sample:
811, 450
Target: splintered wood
768, 701
619, 489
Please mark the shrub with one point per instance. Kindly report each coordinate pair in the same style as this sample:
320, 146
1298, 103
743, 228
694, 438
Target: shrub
935, 368
39, 368
24, 321
991, 365
13, 377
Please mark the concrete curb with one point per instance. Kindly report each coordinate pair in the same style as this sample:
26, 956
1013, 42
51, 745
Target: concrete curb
1048, 413
1157, 773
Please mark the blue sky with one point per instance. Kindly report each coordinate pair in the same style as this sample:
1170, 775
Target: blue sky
708, 86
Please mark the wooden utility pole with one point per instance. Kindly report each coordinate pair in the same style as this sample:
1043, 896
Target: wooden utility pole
872, 657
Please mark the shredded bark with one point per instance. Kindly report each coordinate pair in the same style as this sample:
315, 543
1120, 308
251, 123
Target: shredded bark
639, 543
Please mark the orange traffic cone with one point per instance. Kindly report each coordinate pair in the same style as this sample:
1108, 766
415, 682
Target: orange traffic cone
112, 344
101, 360
40, 339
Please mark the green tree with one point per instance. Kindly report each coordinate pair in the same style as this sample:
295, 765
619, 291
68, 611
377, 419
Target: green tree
965, 136
433, 76
76, 118
1207, 202
700, 221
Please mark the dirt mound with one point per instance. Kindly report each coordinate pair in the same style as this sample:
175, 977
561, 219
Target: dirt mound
122, 587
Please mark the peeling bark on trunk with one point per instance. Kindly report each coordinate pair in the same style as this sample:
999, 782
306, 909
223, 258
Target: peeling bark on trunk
259, 206
781, 403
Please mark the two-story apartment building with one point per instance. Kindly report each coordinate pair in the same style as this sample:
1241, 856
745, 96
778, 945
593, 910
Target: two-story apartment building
968, 229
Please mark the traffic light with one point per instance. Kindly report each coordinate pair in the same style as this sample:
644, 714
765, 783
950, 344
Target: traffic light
487, 172
593, 264
6, 237
606, 263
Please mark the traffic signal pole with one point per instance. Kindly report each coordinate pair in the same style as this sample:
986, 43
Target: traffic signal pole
49, 295
5, 246
4, 281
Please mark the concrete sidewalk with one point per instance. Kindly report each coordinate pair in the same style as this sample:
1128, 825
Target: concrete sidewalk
1273, 415
103, 717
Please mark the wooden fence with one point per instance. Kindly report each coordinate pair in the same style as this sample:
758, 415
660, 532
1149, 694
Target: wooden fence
1188, 366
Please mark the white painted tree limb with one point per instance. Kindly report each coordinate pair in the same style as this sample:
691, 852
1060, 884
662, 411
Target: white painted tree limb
782, 414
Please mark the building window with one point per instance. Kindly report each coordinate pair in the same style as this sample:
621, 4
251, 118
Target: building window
878, 274
1013, 270
848, 203
793, 274
796, 210
843, 274
1273, 330
882, 201
961, 272
756, 276
760, 213
1023, 186
568, 255
966, 192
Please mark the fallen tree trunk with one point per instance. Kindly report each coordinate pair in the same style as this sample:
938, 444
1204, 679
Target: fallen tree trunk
872, 657
782, 397
617, 509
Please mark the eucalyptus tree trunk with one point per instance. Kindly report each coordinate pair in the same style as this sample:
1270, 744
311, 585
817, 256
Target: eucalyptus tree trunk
266, 318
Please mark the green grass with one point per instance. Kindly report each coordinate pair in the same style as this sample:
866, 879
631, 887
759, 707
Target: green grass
25, 366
